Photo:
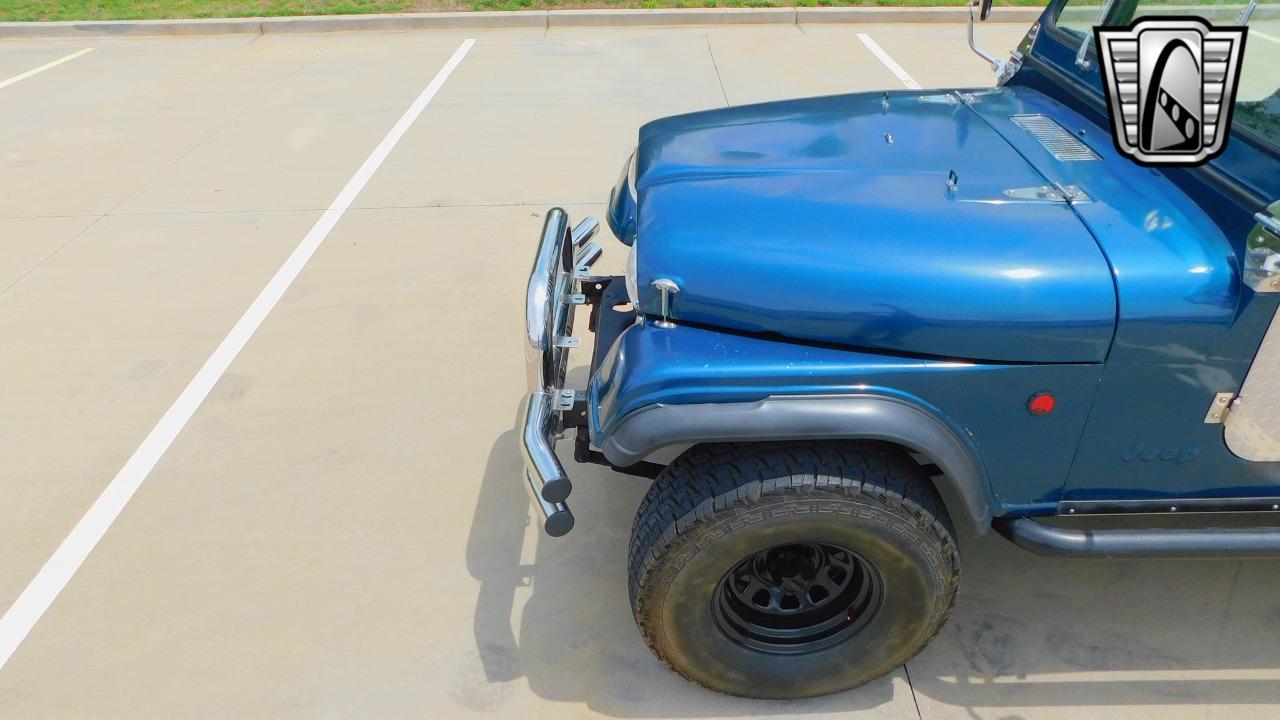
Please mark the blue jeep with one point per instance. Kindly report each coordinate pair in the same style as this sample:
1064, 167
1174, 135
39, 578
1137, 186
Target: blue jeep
851, 325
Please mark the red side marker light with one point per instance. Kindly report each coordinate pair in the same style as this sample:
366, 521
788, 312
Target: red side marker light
1042, 403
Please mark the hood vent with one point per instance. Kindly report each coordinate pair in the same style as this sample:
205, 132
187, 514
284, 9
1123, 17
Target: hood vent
1061, 144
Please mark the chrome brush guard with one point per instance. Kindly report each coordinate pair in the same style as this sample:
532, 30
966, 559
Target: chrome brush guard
563, 260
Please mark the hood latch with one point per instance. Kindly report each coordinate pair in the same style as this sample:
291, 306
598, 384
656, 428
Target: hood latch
1070, 194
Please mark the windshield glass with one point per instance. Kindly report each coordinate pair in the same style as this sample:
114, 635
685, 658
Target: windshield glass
1078, 17
1257, 105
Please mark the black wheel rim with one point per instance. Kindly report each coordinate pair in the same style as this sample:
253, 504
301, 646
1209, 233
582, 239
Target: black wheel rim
797, 598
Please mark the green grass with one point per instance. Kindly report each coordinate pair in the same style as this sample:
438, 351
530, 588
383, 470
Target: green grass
26, 10
650, 4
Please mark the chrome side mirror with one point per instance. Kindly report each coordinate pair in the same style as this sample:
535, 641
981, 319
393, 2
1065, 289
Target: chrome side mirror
997, 65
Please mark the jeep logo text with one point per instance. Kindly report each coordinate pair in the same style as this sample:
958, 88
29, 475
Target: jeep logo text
1145, 452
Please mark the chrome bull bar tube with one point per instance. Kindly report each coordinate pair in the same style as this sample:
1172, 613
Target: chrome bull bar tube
540, 463
550, 300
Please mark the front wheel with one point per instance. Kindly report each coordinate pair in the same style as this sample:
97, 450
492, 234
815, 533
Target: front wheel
787, 571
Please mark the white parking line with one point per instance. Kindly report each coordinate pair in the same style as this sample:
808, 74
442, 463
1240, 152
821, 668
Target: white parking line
42, 68
894, 67
1264, 36
66, 560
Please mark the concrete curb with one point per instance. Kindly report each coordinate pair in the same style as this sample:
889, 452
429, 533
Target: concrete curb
109, 28
403, 21
818, 15
671, 16
524, 19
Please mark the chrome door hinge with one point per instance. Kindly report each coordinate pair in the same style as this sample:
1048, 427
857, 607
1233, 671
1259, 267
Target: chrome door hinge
1220, 408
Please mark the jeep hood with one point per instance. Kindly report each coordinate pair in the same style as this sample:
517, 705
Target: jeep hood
831, 220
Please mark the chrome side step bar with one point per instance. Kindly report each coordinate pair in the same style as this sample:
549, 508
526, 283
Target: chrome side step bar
1043, 539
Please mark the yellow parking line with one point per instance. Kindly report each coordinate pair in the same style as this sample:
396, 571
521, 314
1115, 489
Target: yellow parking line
42, 68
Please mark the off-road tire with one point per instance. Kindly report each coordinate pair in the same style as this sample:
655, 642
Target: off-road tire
718, 504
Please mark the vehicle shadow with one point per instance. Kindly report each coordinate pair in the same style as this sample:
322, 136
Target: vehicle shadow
1027, 632
1036, 632
574, 639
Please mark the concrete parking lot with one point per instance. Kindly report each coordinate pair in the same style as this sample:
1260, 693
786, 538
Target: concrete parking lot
340, 529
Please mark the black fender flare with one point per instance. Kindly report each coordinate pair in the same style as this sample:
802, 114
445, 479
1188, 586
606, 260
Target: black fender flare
964, 485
